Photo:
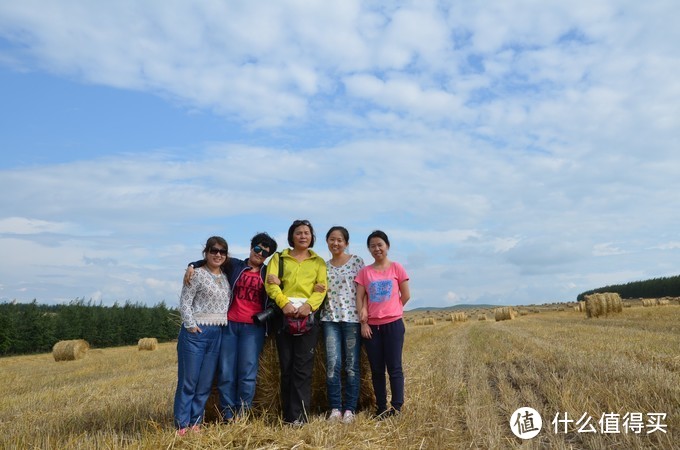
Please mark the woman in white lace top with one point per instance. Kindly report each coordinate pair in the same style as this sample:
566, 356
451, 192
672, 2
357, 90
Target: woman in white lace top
203, 308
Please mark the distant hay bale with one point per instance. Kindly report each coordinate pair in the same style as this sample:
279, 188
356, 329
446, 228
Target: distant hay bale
504, 313
70, 350
459, 317
481, 317
648, 302
523, 312
581, 306
595, 305
268, 388
147, 344
663, 302
602, 304
426, 321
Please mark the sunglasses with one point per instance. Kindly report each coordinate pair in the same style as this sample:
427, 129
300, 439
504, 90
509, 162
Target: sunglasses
261, 251
215, 251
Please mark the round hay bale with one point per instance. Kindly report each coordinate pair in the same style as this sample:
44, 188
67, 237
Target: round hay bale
70, 350
481, 317
648, 302
601, 304
504, 313
594, 306
459, 317
150, 344
267, 399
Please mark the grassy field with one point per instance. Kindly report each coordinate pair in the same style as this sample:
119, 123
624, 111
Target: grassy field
463, 382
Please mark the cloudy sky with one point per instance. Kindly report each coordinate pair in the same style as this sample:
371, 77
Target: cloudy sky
515, 151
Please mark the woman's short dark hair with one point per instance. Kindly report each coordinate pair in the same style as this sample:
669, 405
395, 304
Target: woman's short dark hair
264, 239
296, 224
342, 231
216, 240
377, 234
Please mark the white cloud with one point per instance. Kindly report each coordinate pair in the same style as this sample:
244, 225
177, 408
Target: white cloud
606, 249
23, 225
509, 149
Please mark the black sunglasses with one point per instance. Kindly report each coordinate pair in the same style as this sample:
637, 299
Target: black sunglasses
261, 251
215, 251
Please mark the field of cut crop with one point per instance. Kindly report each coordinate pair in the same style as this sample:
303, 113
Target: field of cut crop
610, 382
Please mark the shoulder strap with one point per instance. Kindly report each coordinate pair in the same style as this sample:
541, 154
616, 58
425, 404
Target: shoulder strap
281, 270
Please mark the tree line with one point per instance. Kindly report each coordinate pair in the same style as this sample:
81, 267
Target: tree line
653, 288
34, 328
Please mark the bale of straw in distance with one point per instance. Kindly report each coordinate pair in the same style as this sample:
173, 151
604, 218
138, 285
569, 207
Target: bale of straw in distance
481, 317
459, 317
594, 306
147, 344
70, 350
602, 304
614, 301
504, 313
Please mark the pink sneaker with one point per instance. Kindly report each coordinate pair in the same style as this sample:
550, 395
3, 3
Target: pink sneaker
182, 431
336, 414
196, 429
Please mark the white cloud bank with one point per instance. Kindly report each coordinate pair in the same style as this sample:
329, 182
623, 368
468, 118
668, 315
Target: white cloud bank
516, 152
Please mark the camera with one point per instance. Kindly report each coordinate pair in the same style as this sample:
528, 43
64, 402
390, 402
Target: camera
262, 317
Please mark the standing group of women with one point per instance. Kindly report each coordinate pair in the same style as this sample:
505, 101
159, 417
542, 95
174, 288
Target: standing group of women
221, 338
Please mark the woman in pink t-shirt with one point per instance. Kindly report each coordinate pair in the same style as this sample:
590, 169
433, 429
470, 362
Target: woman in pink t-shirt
382, 292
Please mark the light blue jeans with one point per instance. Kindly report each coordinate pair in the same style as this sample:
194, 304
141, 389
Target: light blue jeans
197, 355
237, 368
343, 348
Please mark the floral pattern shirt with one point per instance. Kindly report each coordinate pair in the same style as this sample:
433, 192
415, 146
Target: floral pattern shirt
341, 297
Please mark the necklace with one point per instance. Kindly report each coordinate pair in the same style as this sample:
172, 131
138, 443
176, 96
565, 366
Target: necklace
218, 278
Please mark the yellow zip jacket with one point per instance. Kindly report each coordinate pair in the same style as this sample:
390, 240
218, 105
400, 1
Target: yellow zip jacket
298, 280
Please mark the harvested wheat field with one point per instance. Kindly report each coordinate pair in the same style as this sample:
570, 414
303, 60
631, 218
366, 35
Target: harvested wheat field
462, 385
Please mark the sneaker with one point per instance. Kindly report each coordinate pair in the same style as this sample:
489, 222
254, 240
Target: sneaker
336, 415
182, 431
196, 428
348, 417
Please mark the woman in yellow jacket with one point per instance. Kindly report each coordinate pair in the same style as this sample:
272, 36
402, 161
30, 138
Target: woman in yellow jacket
302, 270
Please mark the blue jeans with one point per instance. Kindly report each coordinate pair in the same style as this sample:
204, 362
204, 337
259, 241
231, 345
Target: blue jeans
384, 350
237, 368
197, 355
343, 346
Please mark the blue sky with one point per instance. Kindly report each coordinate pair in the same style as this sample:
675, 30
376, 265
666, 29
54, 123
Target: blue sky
514, 152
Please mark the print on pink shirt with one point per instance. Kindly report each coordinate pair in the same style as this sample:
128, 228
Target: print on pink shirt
380, 291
